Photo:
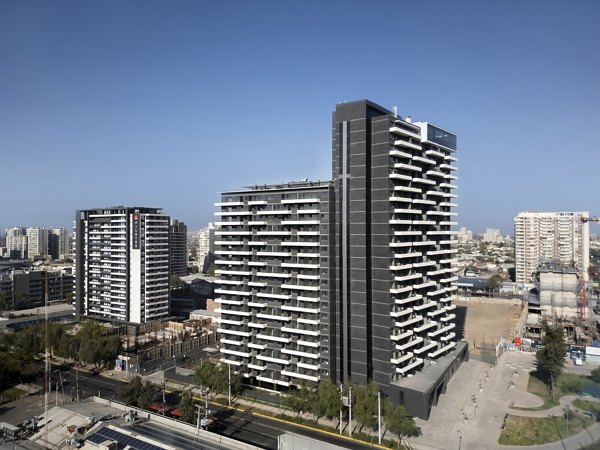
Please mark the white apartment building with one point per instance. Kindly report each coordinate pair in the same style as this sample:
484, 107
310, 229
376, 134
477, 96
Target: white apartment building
122, 264
492, 235
206, 246
37, 243
58, 242
560, 238
16, 243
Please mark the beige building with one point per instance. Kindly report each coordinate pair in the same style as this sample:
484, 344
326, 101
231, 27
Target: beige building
556, 238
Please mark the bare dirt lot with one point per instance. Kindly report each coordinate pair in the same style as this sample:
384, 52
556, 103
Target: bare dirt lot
484, 321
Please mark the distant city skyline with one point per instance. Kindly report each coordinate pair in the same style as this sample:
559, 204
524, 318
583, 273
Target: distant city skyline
210, 97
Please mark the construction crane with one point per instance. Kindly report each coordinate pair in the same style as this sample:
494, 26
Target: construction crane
582, 298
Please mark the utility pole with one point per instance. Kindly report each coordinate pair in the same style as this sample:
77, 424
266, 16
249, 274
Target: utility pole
350, 411
46, 361
229, 372
342, 405
379, 416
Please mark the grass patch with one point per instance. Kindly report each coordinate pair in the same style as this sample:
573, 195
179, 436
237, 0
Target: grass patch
587, 405
12, 394
540, 430
567, 384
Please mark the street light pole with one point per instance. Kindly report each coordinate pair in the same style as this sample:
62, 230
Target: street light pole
342, 405
229, 373
379, 416
350, 411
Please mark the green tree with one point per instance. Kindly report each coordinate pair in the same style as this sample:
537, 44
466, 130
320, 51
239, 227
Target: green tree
136, 393
397, 421
212, 377
551, 357
327, 402
365, 405
96, 348
494, 282
176, 281
211, 270
187, 407
302, 398
595, 375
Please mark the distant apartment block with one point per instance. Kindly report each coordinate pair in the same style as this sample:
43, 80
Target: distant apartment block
22, 289
463, 235
122, 264
58, 243
206, 247
349, 279
16, 243
492, 235
178, 248
560, 238
37, 243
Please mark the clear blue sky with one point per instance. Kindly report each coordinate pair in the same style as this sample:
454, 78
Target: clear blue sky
163, 103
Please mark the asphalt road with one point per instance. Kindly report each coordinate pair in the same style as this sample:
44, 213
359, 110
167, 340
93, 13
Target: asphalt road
240, 425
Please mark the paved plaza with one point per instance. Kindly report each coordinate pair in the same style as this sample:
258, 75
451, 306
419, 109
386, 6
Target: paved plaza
470, 415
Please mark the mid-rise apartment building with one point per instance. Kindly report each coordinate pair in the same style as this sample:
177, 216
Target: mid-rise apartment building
349, 279
206, 247
559, 238
58, 243
273, 253
178, 248
37, 243
122, 264
16, 243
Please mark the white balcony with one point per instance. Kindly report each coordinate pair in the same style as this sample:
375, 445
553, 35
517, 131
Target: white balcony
424, 181
409, 321
300, 287
407, 255
409, 344
425, 326
300, 375
300, 331
300, 244
434, 153
277, 212
413, 276
302, 365
230, 322
403, 370
437, 312
257, 264
229, 204
260, 326
425, 348
243, 273
231, 362
234, 332
229, 302
273, 233
400, 290
257, 305
277, 296
272, 360
233, 252
403, 301
400, 154
423, 160
272, 317
227, 351
299, 353
308, 299
308, 321
256, 367
268, 337
289, 201
231, 223
231, 292
232, 233
448, 167
301, 266
448, 318
409, 167
402, 359
274, 275
402, 131
307, 343
407, 189
425, 306
234, 312
299, 222
399, 337
233, 213
401, 267
302, 310
231, 342
441, 330
278, 254
442, 350
256, 346
399, 176
401, 313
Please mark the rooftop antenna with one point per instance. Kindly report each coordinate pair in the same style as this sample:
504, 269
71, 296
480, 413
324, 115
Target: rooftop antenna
395, 109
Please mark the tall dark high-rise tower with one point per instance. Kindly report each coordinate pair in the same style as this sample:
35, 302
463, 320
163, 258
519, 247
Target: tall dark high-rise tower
393, 188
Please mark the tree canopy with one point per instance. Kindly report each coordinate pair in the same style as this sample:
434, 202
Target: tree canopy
551, 357
136, 393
